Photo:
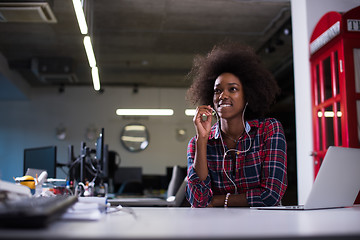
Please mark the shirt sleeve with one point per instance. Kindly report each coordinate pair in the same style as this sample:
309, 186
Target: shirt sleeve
274, 176
198, 193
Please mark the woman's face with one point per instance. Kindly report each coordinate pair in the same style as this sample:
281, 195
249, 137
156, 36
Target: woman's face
229, 100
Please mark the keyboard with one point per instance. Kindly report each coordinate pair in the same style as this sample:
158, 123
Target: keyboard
34, 212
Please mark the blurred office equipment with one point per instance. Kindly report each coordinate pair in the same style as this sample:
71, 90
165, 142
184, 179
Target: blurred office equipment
43, 158
91, 164
93, 168
177, 178
9, 190
174, 197
34, 212
128, 180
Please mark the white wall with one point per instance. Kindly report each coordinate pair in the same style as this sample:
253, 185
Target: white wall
33, 123
305, 15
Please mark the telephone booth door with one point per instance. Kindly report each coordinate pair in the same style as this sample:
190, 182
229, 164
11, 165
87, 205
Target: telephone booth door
327, 102
335, 81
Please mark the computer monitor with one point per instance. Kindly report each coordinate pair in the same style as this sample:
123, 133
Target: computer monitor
41, 158
100, 146
91, 162
102, 152
105, 163
73, 167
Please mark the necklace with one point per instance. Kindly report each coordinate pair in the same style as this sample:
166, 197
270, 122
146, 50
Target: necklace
233, 139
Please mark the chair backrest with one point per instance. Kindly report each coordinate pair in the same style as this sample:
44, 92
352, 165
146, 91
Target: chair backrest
180, 195
177, 179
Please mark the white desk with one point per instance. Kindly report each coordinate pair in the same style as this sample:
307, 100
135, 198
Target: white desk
210, 223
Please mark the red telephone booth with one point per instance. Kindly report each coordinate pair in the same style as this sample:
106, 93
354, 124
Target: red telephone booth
335, 80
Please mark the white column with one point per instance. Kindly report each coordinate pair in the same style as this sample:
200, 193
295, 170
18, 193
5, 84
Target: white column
304, 140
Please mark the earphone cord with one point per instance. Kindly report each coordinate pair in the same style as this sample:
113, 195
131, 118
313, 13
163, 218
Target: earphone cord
232, 150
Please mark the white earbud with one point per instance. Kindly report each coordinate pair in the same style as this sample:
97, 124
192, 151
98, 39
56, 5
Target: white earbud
204, 117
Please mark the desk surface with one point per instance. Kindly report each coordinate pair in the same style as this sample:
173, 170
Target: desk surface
209, 223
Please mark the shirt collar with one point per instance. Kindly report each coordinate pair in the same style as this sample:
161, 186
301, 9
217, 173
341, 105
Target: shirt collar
215, 130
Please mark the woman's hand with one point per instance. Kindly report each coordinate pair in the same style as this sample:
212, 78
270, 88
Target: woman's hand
202, 121
203, 128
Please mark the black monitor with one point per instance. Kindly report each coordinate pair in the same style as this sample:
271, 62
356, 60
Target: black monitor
105, 163
102, 155
73, 168
41, 158
100, 146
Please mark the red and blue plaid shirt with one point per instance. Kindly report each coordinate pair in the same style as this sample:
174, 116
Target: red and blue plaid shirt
259, 172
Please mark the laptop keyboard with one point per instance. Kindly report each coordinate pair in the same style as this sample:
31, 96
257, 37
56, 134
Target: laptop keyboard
34, 212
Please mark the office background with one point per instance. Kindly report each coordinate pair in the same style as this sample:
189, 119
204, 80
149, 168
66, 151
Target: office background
30, 118
33, 123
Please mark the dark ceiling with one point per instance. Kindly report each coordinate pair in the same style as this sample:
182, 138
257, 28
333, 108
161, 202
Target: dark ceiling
145, 43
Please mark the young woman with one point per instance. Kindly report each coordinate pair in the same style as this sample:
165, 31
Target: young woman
241, 159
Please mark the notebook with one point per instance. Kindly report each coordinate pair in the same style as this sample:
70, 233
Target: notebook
175, 195
337, 183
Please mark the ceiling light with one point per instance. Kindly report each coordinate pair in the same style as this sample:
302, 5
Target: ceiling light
80, 16
95, 77
190, 112
145, 112
89, 51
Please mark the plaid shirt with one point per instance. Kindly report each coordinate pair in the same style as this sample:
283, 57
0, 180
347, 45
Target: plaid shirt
259, 172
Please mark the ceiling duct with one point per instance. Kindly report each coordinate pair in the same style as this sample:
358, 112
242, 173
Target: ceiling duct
26, 12
54, 71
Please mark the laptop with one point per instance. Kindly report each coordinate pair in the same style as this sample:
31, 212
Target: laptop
337, 183
175, 195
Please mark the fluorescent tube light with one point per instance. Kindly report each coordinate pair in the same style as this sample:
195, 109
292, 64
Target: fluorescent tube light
145, 112
80, 16
190, 112
89, 51
95, 77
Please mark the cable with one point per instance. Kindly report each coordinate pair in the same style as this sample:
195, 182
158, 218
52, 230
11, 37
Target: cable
77, 189
232, 150
74, 163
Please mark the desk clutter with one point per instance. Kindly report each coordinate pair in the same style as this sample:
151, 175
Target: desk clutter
19, 208
86, 173
34, 212
37, 198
